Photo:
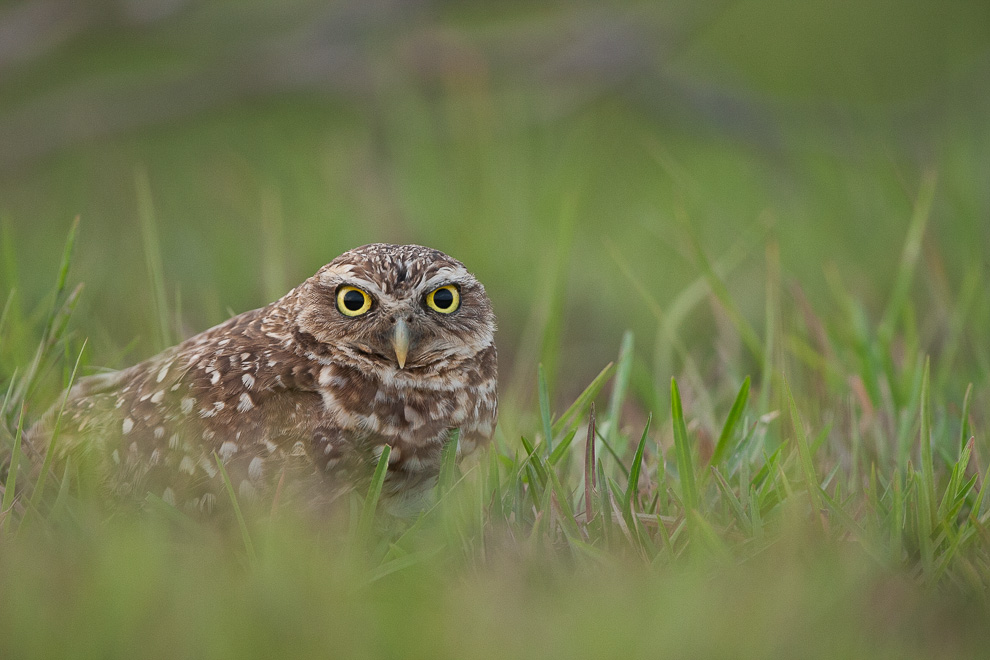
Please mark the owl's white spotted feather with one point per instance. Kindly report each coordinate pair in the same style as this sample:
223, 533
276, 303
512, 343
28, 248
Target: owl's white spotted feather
302, 391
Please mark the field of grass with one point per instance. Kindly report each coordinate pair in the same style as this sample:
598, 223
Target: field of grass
743, 311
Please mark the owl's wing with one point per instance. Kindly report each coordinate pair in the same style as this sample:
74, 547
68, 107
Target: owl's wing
232, 392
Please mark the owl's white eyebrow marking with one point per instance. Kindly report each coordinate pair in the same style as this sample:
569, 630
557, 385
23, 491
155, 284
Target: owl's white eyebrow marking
339, 270
445, 276
366, 285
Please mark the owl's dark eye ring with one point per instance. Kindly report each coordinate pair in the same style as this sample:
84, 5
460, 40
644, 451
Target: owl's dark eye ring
352, 301
444, 299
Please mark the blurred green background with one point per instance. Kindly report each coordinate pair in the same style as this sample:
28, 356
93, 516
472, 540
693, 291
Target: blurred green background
579, 157
734, 182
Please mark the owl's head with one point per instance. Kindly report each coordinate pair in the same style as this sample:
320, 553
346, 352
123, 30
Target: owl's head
397, 308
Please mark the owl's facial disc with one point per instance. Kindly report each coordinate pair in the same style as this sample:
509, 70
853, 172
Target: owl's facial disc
403, 326
398, 308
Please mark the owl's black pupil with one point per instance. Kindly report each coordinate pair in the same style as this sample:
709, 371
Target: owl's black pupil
443, 298
353, 300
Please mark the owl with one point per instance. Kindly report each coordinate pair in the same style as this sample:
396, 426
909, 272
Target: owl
385, 345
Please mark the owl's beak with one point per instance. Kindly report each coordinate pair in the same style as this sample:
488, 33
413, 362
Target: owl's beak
400, 342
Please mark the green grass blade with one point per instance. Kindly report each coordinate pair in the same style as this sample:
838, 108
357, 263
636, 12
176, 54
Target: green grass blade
61, 503
956, 489
566, 517
927, 459
401, 563
544, 396
493, 485
241, 523
619, 465
979, 503
723, 445
909, 258
804, 452
772, 349
965, 431
367, 519
7, 397
56, 319
730, 497
685, 464
924, 518
5, 314
762, 476
755, 515
448, 463
841, 514
46, 466
534, 463
620, 384
637, 463
604, 501
63, 270
62, 280
589, 466
897, 518
584, 399
10, 486
560, 450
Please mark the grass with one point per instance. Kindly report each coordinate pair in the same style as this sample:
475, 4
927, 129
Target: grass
764, 534
744, 373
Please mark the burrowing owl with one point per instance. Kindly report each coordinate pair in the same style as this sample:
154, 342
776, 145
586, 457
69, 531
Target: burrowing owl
386, 344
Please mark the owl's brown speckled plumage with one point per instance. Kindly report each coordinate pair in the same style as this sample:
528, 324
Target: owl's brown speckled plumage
299, 391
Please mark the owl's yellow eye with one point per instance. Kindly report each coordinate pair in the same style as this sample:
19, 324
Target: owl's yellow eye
445, 299
352, 301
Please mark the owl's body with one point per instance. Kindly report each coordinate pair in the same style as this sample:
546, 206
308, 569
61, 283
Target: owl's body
306, 391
